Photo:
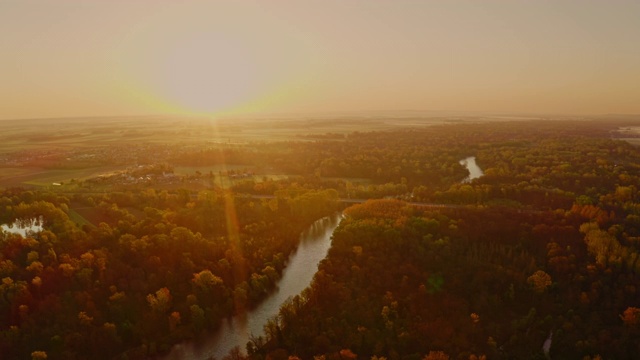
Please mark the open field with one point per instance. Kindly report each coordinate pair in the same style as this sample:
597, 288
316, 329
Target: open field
78, 219
89, 132
353, 180
42, 177
33, 154
37, 134
206, 169
220, 178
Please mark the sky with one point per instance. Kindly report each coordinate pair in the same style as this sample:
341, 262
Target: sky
63, 58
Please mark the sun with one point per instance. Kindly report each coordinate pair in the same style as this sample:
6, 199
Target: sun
209, 74
209, 64
202, 72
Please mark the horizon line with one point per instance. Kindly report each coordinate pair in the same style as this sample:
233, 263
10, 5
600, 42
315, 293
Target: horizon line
336, 113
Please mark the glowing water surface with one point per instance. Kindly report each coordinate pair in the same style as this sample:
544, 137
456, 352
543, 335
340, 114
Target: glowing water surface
24, 227
302, 265
474, 170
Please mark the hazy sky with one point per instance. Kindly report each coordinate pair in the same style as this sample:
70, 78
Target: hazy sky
81, 58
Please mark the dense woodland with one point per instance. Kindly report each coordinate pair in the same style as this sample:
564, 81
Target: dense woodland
543, 246
550, 252
401, 282
161, 268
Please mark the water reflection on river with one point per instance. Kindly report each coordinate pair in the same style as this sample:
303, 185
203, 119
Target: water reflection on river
314, 244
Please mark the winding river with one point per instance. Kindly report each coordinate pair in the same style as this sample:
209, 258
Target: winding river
314, 244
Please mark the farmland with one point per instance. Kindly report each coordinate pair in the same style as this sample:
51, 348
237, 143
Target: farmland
35, 154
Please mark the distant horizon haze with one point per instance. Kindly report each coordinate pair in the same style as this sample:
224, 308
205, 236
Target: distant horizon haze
230, 59
377, 115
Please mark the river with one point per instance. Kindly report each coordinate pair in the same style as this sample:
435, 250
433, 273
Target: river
314, 244
474, 170
303, 264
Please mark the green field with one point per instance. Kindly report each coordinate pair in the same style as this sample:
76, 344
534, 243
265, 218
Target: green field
353, 180
78, 219
40, 177
215, 169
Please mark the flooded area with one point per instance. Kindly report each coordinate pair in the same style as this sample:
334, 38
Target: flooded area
24, 227
474, 170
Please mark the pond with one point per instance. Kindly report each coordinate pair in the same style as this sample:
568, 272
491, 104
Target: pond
474, 170
24, 227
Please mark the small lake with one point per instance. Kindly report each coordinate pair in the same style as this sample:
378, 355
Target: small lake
303, 264
24, 227
474, 170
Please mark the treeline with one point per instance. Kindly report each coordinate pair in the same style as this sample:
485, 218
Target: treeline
159, 268
534, 163
548, 173
542, 164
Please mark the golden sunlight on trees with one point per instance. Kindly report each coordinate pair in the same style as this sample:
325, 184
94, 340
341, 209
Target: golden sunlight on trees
604, 246
84, 318
476, 357
631, 317
347, 354
174, 320
547, 240
205, 280
38, 355
436, 355
595, 357
475, 318
160, 302
540, 281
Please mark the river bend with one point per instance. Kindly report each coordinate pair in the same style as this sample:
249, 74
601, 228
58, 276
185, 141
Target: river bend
303, 264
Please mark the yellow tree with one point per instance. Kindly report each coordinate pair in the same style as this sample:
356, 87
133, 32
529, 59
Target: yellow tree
436, 355
347, 354
631, 317
161, 301
205, 280
540, 280
38, 355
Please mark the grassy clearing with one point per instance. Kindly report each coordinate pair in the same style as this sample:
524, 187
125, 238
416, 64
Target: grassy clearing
31, 134
205, 169
226, 182
78, 219
632, 141
223, 181
46, 177
353, 180
18, 136
87, 214
11, 172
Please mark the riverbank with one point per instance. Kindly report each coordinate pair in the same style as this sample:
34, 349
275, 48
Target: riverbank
236, 331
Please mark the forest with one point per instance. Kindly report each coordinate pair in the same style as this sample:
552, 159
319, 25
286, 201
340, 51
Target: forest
160, 269
537, 258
